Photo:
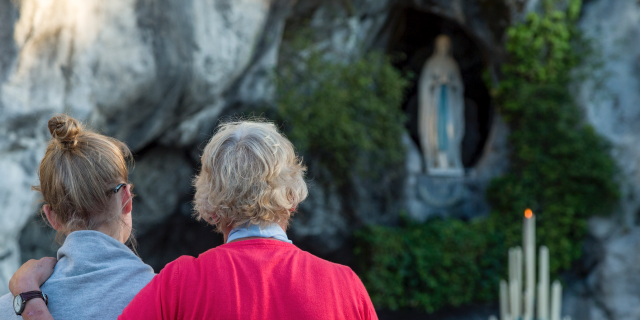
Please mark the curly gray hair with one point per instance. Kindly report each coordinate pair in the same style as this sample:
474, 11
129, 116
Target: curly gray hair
250, 174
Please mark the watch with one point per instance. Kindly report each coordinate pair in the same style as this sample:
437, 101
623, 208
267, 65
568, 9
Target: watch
20, 300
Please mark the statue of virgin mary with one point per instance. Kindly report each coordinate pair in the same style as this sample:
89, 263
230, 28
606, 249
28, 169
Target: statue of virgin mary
441, 112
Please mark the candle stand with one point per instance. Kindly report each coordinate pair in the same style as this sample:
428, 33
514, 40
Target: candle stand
519, 296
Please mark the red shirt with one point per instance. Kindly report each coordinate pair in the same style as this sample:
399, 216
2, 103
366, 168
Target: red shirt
252, 279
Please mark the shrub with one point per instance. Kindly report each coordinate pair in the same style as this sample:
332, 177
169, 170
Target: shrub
559, 167
339, 113
426, 266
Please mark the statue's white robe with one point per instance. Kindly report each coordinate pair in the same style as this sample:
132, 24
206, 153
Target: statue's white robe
441, 70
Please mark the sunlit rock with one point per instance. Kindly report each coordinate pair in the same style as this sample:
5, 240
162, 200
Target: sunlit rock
130, 69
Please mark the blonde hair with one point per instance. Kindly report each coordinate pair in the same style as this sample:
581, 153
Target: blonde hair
78, 173
250, 174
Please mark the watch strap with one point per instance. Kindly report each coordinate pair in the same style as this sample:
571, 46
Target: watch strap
26, 296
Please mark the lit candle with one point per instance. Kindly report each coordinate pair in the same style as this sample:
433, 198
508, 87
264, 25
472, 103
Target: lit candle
543, 285
504, 300
529, 243
556, 302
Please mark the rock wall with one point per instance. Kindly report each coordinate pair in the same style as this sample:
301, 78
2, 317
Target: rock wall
611, 275
155, 74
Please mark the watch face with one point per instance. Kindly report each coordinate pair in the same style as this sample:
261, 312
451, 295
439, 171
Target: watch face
17, 304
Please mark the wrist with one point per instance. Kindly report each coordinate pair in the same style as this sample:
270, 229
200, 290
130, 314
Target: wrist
34, 307
23, 286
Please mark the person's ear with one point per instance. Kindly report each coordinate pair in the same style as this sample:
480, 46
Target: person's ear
127, 200
51, 217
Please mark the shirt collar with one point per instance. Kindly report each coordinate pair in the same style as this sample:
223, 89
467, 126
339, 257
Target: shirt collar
247, 230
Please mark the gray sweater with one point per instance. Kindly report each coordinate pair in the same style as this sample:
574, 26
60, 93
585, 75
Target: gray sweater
95, 278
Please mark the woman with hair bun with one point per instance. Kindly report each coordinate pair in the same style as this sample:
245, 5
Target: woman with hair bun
83, 181
250, 184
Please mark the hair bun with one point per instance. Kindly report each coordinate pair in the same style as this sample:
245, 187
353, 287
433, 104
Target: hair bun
65, 129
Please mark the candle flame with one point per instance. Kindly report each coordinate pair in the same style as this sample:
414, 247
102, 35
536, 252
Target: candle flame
528, 213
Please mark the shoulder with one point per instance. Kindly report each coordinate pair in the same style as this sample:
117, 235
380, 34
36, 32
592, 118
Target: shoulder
5, 298
329, 268
6, 307
342, 277
180, 265
188, 266
182, 261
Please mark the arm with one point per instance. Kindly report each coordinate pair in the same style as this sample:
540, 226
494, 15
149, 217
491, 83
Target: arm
36, 309
30, 277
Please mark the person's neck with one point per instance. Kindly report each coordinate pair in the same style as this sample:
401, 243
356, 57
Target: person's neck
111, 233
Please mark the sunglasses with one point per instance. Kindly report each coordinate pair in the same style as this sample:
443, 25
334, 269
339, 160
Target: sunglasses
118, 187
